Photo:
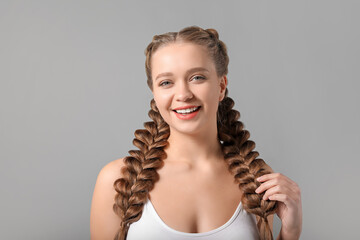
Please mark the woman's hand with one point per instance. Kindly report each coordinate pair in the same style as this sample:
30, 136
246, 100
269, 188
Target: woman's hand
282, 189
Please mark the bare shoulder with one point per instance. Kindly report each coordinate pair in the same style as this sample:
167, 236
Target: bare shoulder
111, 171
104, 223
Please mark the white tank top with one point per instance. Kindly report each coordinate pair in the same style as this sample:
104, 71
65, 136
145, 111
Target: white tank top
242, 225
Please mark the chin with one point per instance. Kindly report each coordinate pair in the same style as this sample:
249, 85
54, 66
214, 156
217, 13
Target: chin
190, 130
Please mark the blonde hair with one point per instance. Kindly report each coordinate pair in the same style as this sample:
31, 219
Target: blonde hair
140, 170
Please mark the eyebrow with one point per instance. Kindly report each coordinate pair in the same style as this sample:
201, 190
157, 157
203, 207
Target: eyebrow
196, 69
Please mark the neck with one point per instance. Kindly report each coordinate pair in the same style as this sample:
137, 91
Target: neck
198, 151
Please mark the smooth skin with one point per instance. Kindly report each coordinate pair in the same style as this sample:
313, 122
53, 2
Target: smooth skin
104, 223
193, 151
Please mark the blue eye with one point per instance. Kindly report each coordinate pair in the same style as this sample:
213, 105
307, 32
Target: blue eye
163, 83
199, 77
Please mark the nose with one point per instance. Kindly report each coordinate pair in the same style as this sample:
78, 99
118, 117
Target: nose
183, 92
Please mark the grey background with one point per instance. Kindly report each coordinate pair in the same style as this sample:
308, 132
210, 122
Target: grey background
73, 91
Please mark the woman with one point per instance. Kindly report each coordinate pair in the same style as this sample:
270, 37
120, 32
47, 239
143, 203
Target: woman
195, 174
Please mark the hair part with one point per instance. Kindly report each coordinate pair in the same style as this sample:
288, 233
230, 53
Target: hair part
140, 170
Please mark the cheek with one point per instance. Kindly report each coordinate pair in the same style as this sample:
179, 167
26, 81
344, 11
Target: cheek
163, 103
162, 100
211, 96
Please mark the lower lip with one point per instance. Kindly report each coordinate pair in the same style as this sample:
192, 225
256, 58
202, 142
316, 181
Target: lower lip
187, 116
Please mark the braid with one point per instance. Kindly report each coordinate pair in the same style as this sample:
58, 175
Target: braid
243, 164
140, 171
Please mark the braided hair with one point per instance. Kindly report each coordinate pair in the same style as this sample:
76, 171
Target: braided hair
140, 170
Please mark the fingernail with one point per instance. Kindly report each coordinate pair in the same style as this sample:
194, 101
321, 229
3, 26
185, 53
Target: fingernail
257, 190
258, 179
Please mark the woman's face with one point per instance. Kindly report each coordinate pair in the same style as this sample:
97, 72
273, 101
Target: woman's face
184, 76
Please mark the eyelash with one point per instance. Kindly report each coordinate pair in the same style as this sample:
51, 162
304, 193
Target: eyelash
162, 83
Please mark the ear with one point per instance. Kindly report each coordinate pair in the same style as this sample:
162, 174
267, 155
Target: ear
223, 85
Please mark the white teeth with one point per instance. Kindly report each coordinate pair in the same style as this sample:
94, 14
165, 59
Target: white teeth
188, 110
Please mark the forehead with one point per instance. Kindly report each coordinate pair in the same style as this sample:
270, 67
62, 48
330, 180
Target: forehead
180, 57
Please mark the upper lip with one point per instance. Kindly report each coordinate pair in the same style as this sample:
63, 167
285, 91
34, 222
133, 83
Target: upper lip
185, 107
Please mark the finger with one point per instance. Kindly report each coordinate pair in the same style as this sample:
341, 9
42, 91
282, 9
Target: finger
266, 185
278, 189
273, 182
286, 199
279, 176
267, 177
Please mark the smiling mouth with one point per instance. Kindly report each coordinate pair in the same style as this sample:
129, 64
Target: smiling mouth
187, 111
